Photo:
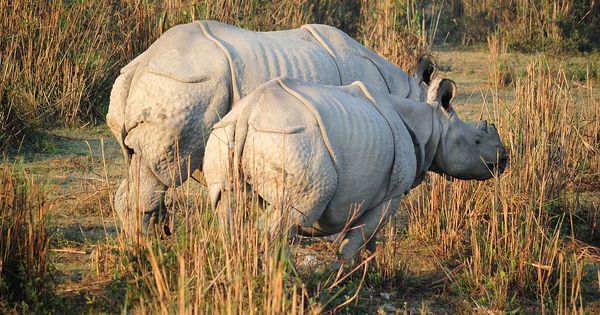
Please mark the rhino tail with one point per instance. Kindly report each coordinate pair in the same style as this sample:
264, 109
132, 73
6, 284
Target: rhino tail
241, 132
223, 151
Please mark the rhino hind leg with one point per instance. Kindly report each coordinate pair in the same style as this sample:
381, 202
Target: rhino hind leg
301, 209
139, 201
362, 233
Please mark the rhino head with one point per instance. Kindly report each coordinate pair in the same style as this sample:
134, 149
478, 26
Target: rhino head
466, 150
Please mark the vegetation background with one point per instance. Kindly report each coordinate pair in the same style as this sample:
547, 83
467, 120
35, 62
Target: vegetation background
527, 242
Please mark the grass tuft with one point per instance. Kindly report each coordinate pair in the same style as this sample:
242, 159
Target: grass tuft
24, 242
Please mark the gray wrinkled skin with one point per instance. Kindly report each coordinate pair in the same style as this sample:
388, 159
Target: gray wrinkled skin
165, 101
331, 159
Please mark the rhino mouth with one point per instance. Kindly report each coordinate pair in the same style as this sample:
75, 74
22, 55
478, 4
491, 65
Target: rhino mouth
500, 167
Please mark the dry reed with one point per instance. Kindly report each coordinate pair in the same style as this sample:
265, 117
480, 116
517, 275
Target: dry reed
24, 242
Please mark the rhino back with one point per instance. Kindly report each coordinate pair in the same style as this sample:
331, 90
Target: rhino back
257, 57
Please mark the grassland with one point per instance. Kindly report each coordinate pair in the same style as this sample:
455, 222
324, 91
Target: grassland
524, 243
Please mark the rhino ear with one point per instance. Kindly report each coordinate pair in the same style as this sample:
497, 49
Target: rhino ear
425, 68
445, 94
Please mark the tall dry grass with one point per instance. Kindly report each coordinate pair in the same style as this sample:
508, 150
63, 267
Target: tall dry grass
528, 19
395, 30
529, 24
207, 268
24, 242
56, 59
501, 74
509, 239
515, 235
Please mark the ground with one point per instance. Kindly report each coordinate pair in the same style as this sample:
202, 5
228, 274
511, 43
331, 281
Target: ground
81, 166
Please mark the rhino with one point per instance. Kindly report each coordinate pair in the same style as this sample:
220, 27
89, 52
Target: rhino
165, 101
331, 159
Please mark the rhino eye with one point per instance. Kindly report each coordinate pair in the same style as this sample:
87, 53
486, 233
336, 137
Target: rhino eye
477, 141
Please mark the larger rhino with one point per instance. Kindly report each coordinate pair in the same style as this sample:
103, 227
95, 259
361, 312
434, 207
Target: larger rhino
330, 159
165, 101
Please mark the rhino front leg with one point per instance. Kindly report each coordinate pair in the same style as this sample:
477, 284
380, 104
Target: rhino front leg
371, 245
139, 201
362, 233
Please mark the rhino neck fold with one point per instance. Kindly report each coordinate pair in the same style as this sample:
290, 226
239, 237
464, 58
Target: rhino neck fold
431, 148
425, 131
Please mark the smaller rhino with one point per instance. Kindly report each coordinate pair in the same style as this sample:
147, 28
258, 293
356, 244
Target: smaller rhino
331, 159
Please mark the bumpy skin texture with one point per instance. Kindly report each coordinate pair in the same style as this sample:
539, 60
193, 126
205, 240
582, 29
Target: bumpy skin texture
165, 101
331, 158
